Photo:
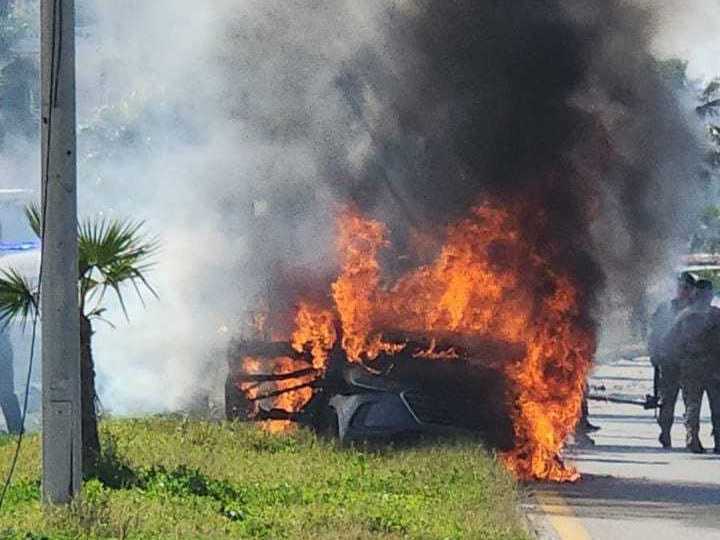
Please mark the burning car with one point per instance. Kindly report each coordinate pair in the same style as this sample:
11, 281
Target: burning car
485, 336
394, 397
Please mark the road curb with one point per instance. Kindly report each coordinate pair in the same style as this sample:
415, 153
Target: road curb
536, 522
551, 518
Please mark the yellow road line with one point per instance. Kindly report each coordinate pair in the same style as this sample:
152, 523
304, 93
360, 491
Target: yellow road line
561, 516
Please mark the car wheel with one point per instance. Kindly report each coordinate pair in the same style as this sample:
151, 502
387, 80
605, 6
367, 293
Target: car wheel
329, 424
236, 405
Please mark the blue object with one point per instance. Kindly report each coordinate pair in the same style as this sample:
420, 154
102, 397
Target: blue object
19, 246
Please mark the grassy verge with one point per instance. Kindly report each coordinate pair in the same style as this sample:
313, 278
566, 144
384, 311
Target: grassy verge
169, 478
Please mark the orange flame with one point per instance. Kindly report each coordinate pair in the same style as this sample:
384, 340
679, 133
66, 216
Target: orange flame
483, 284
287, 394
295, 398
489, 281
278, 426
356, 291
434, 353
550, 383
315, 329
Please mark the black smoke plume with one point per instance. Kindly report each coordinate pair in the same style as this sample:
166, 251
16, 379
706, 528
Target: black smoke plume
560, 103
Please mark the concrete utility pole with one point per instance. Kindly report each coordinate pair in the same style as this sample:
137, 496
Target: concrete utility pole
62, 442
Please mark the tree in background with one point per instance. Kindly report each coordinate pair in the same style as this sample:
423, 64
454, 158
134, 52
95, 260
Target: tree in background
19, 74
112, 255
707, 237
709, 110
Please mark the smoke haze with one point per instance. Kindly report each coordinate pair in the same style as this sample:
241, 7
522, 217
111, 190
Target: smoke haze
235, 129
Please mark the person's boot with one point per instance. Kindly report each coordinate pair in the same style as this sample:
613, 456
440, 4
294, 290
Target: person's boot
588, 427
665, 439
694, 445
583, 440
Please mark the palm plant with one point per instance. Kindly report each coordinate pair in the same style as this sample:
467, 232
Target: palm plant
112, 254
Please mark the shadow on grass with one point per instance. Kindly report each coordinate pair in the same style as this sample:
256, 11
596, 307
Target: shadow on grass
114, 472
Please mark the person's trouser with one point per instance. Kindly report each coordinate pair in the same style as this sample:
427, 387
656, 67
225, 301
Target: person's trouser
668, 388
8, 400
11, 410
713, 390
692, 392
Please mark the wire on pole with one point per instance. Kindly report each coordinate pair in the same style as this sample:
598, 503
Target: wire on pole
56, 51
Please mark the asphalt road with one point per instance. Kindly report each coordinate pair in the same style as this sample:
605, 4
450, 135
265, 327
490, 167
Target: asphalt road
630, 487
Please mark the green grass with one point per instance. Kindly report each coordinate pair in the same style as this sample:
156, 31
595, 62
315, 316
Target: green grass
172, 478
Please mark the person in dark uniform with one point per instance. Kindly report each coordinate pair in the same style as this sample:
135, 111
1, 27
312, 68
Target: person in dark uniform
8, 399
712, 386
693, 340
667, 367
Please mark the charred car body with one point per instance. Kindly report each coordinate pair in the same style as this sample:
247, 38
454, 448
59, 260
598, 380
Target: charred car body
399, 395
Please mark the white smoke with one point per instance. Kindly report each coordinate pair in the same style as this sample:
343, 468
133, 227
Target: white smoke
209, 108
235, 100
192, 111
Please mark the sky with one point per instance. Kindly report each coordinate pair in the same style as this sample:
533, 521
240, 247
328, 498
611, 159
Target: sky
690, 29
